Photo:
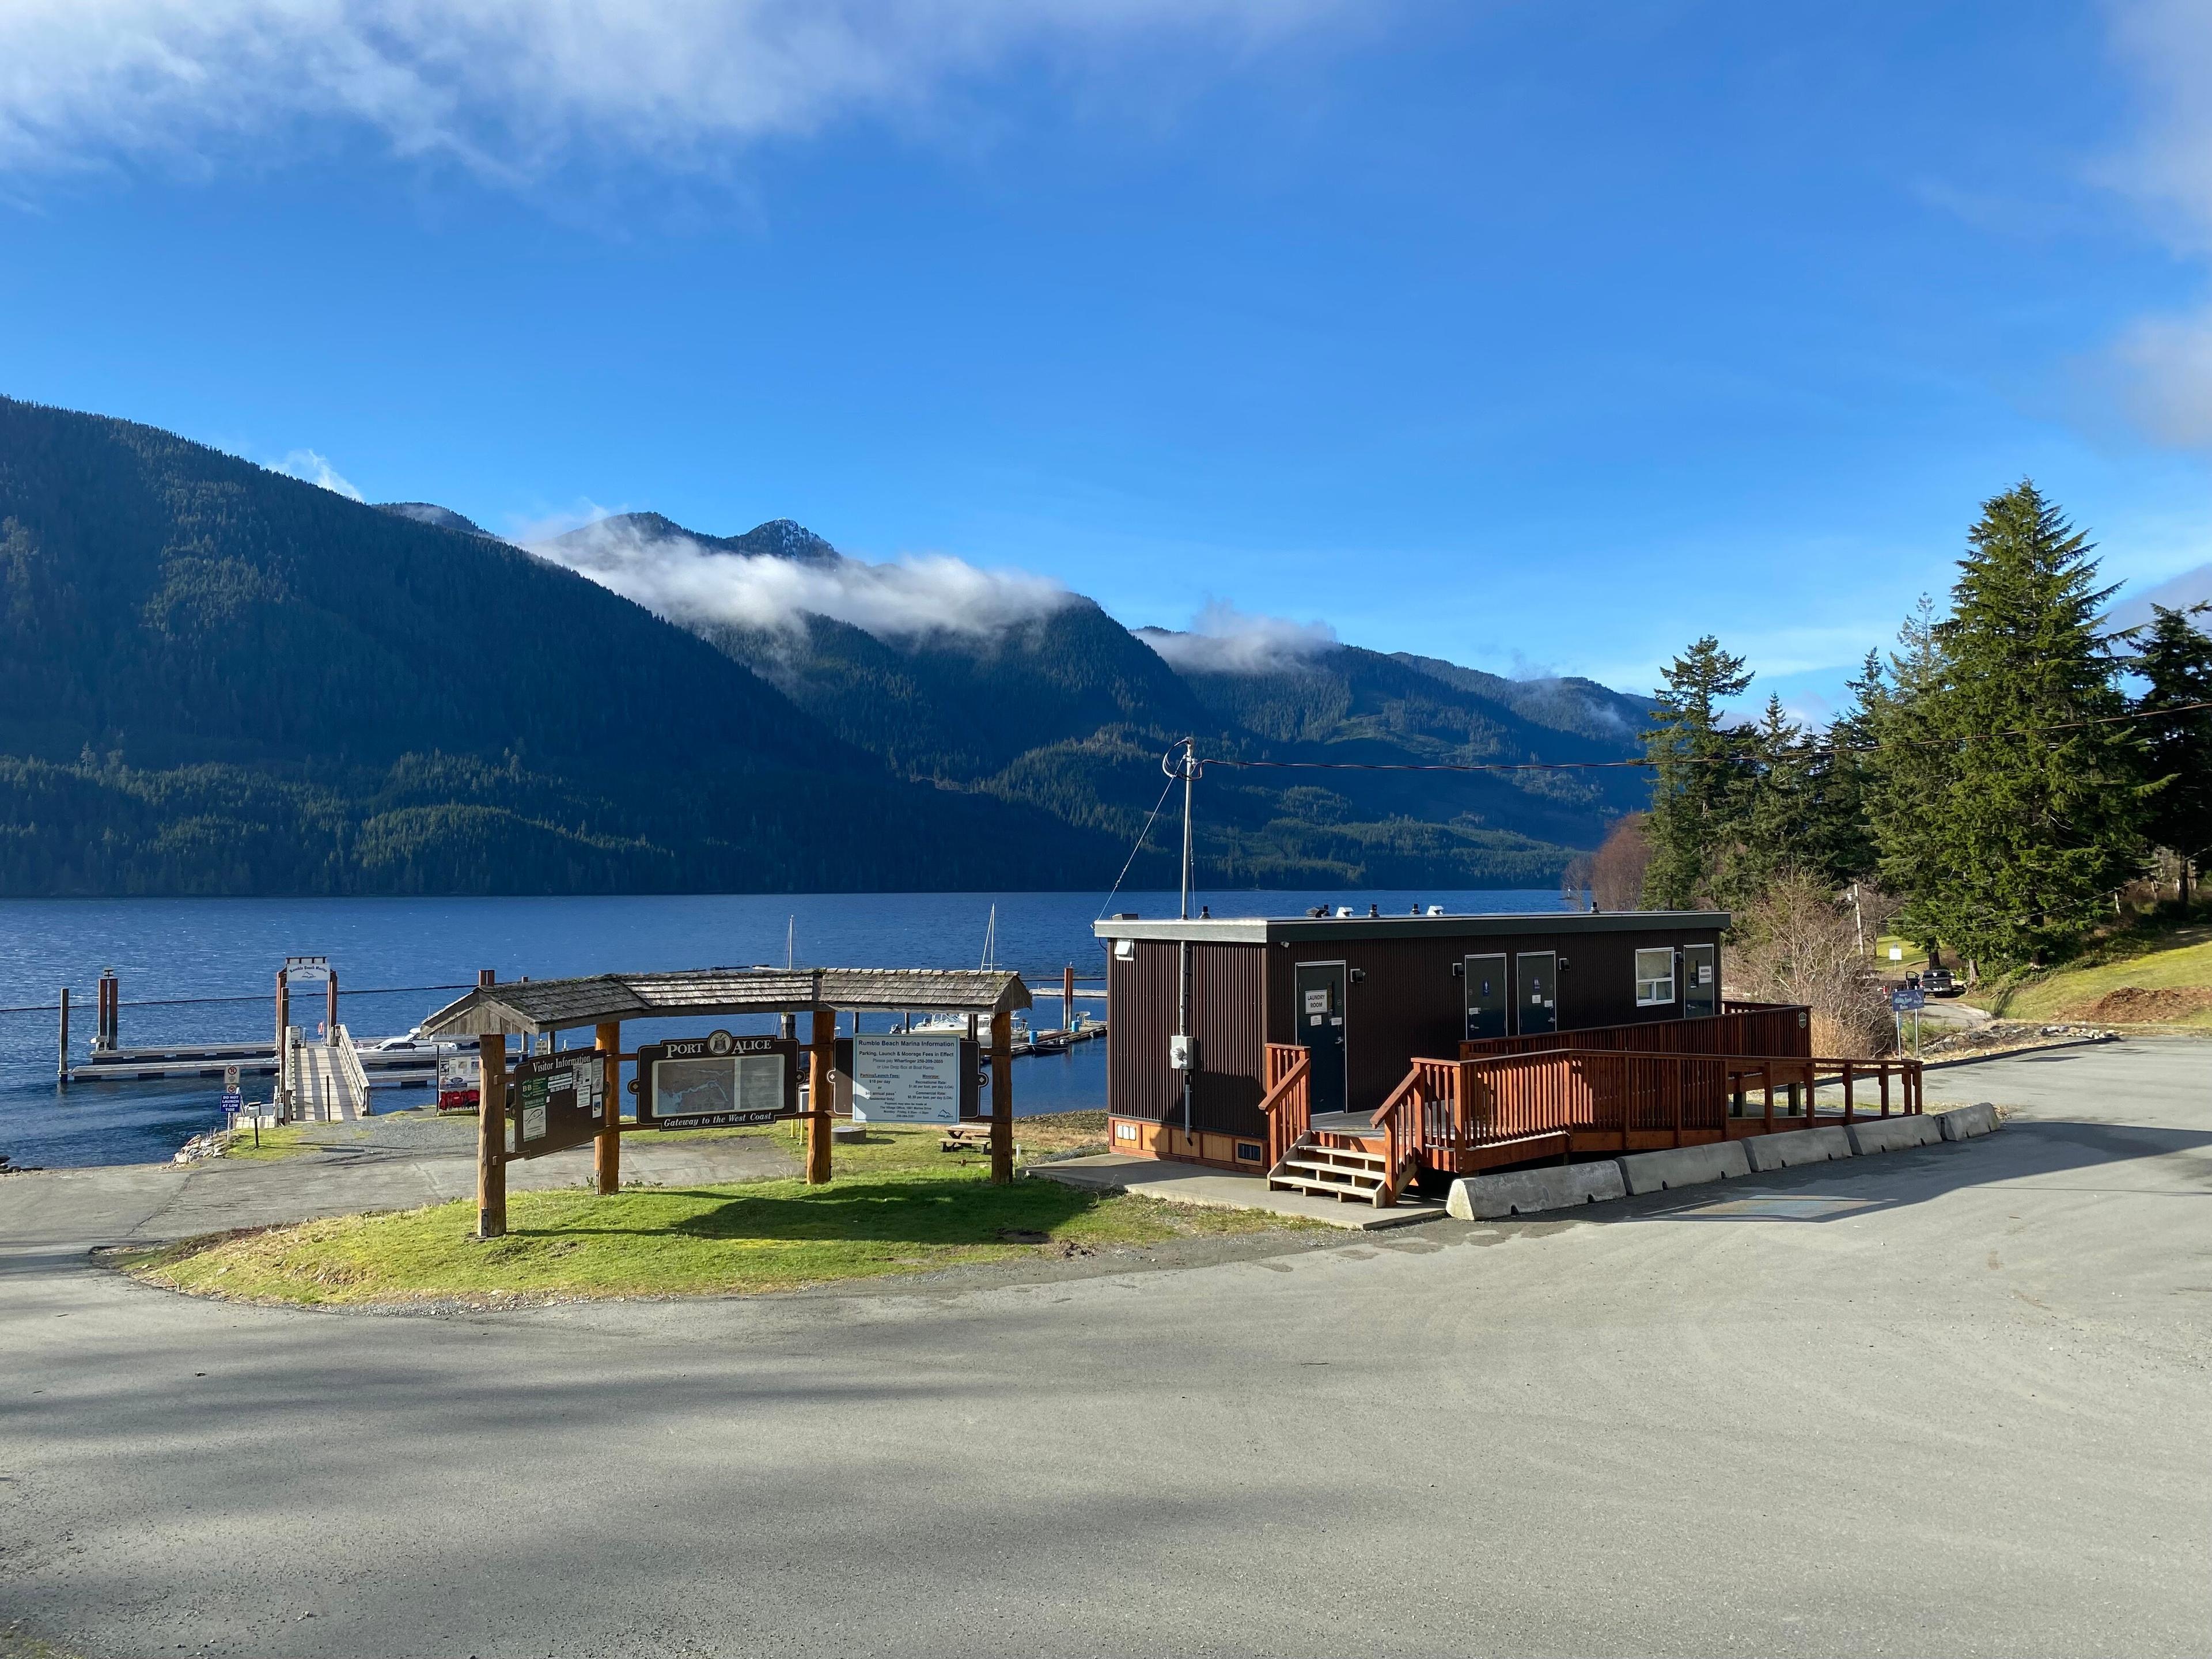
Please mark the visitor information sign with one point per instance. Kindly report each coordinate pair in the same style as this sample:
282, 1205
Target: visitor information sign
910, 1077
557, 1101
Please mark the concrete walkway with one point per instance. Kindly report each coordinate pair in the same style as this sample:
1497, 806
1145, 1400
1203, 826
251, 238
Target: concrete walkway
1217, 1189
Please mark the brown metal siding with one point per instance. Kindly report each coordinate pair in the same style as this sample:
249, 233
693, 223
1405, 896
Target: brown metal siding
1226, 1014
1410, 1006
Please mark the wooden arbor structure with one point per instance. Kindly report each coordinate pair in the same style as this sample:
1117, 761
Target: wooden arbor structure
493, 1012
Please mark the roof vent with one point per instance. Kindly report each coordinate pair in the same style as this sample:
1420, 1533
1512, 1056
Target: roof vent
1343, 910
1125, 915
1435, 909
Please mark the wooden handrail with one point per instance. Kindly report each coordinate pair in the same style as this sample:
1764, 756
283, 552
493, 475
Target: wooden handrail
1288, 1103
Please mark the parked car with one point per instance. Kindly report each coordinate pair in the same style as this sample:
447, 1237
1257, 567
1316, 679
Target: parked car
1941, 982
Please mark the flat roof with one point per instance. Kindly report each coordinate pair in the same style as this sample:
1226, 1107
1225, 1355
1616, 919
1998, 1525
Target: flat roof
1269, 930
526, 1007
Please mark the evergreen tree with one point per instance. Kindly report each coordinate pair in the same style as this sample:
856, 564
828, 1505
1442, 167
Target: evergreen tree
1699, 796
2176, 660
1839, 779
2007, 835
1778, 814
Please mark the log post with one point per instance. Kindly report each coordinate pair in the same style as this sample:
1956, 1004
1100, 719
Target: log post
491, 1137
1067, 998
283, 1043
821, 1097
607, 1156
1002, 1099
331, 1005
63, 1072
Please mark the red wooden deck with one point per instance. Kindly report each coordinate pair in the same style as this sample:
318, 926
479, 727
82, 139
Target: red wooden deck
1619, 1089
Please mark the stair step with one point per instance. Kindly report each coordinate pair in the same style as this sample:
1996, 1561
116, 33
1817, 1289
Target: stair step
1318, 1184
1330, 1172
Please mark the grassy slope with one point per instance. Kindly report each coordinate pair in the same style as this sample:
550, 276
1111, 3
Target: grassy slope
2180, 959
897, 1205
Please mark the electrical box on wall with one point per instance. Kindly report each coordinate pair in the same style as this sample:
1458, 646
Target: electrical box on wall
1182, 1053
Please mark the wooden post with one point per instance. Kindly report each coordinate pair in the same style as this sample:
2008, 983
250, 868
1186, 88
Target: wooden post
283, 1043
491, 1137
1067, 998
821, 1101
331, 1005
606, 1157
1002, 1099
63, 1072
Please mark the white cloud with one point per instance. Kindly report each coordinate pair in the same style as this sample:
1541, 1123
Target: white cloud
2162, 365
313, 468
679, 579
1224, 640
509, 85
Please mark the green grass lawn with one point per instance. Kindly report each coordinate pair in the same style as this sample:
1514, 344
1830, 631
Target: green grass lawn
285, 1141
2178, 962
897, 1205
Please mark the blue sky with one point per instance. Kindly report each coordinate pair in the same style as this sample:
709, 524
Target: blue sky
1542, 338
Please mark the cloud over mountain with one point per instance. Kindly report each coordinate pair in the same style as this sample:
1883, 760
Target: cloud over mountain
1222, 640
692, 579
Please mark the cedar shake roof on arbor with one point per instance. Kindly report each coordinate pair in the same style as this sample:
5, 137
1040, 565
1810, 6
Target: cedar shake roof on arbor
527, 1007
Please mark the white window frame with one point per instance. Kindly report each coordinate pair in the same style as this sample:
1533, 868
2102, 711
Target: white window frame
1654, 990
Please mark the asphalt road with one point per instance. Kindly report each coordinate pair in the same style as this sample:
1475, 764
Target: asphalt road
1965, 1408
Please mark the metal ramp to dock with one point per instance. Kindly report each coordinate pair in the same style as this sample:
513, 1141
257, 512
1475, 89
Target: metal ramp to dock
323, 1082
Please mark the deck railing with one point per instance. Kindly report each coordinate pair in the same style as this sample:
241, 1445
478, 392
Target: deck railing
1288, 1103
1740, 1028
1446, 1108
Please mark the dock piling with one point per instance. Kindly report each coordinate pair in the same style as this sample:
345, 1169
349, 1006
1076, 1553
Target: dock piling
64, 1058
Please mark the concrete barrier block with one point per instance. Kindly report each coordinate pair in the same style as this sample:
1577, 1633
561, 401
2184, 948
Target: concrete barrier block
1964, 1123
1894, 1134
1523, 1192
1787, 1151
1684, 1166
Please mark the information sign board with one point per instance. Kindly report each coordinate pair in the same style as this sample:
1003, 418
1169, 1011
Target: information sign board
556, 1101
699, 1083
1908, 999
232, 1101
303, 968
908, 1076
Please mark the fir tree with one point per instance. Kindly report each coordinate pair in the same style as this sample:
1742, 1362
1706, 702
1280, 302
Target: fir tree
2006, 834
1698, 794
2176, 660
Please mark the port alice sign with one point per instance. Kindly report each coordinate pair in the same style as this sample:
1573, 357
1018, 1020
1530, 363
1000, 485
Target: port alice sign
908, 1076
701, 1083
555, 1101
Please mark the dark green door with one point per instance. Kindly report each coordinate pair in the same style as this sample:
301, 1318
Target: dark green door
1320, 988
1486, 998
1535, 992
1701, 981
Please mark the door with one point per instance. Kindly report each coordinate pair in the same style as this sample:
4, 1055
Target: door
1701, 981
1320, 989
1535, 992
1487, 1001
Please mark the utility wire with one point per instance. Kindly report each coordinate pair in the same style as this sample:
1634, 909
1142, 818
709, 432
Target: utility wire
262, 996
1135, 850
1682, 760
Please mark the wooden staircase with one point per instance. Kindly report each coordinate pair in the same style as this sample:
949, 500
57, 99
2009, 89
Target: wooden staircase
1336, 1166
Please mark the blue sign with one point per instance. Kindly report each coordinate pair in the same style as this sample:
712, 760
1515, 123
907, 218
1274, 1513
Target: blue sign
233, 1101
1908, 1000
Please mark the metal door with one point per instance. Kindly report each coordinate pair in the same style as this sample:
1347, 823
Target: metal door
1486, 998
1535, 992
1701, 981
1320, 988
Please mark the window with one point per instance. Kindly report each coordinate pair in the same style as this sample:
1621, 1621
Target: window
1655, 978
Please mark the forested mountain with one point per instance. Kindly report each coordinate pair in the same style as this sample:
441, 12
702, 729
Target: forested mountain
215, 679
1056, 705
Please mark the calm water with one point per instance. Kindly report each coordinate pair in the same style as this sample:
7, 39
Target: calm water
178, 948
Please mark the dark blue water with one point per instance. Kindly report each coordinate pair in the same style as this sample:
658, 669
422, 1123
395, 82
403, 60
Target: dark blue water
181, 948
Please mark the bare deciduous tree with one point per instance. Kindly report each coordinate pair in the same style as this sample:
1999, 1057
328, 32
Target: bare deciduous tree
1616, 869
1797, 944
